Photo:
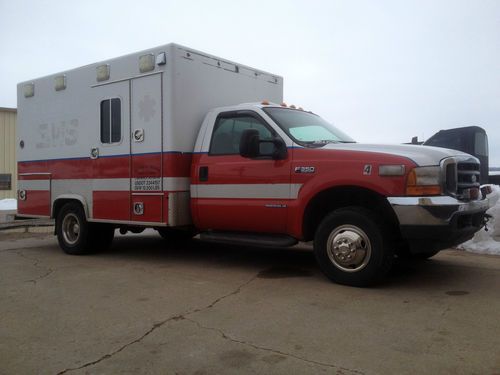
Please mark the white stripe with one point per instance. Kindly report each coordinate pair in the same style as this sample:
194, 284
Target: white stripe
33, 185
176, 183
246, 191
108, 184
100, 184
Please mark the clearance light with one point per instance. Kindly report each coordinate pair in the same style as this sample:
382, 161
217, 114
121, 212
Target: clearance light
301, 109
424, 181
283, 104
264, 102
293, 106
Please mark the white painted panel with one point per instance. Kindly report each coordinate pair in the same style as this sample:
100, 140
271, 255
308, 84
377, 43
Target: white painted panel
246, 191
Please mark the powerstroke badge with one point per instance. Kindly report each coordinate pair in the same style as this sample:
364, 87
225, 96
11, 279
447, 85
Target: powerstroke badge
305, 169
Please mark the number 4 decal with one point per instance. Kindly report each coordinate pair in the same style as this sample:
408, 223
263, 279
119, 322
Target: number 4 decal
367, 170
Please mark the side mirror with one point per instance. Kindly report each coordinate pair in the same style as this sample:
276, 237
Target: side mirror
250, 143
251, 146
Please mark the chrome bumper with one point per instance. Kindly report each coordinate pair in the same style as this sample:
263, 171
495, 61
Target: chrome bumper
435, 210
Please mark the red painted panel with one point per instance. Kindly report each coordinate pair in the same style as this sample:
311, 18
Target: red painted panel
33, 177
37, 203
152, 208
112, 205
165, 208
109, 167
148, 165
246, 214
176, 164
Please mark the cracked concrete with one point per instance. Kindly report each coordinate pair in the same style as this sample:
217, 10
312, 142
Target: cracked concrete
149, 307
158, 325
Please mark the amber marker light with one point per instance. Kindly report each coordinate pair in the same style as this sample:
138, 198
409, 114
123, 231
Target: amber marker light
293, 106
264, 102
423, 181
283, 104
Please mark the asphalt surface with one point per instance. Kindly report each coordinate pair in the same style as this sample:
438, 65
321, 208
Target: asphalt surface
149, 307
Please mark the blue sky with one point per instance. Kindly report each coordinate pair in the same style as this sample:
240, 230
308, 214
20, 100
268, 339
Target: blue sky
382, 71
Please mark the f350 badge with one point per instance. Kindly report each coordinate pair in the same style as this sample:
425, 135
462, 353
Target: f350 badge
305, 169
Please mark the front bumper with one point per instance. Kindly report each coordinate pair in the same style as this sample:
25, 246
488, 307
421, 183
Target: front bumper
437, 222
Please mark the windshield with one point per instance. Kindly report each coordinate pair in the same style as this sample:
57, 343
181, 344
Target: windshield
306, 128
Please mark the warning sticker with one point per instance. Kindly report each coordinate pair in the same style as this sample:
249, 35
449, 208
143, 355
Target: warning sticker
146, 184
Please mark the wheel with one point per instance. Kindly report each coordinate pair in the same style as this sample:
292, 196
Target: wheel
72, 230
352, 247
175, 234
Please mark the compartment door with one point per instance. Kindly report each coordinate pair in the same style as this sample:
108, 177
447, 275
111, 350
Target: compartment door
146, 149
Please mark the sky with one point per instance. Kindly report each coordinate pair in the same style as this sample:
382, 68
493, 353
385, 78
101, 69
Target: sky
382, 71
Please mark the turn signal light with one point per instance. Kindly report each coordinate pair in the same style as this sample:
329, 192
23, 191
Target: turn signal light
419, 182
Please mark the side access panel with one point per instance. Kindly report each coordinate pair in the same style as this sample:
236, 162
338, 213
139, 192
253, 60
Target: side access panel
146, 149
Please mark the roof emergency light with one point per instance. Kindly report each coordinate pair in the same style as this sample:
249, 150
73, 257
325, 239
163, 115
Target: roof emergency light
102, 72
146, 63
29, 90
60, 82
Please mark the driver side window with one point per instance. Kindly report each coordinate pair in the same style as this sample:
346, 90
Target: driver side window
227, 133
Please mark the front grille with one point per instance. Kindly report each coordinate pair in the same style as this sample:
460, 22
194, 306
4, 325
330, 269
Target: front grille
468, 176
461, 178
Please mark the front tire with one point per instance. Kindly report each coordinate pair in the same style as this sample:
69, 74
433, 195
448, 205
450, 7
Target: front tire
352, 247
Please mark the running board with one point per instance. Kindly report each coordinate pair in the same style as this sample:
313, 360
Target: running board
252, 239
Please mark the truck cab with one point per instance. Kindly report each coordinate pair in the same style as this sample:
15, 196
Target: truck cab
267, 172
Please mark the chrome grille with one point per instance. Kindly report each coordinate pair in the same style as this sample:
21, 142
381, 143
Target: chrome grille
461, 177
468, 176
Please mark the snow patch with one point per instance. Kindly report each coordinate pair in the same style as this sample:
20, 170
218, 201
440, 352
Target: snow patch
487, 242
8, 204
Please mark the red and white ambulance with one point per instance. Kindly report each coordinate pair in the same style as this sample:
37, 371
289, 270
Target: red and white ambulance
159, 139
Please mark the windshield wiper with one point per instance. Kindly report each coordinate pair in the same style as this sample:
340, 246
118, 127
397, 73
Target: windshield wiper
318, 143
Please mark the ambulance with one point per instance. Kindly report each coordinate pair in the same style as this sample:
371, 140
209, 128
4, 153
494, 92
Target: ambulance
191, 144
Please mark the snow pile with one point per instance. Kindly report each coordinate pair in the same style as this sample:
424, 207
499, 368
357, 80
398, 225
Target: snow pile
8, 204
487, 242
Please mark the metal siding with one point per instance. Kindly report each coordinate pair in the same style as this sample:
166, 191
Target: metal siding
8, 149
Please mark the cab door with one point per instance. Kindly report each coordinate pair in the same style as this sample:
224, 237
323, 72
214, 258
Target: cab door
234, 193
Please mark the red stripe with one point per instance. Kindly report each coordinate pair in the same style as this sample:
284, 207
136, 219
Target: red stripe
174, 165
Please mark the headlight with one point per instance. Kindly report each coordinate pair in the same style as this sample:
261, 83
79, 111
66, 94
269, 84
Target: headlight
424, 181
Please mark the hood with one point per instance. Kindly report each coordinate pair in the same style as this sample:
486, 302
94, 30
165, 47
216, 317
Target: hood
421, 155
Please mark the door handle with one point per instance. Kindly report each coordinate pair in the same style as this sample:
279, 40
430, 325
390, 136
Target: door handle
203, 173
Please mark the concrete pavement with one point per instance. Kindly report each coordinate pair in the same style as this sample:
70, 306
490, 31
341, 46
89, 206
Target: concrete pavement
149, 307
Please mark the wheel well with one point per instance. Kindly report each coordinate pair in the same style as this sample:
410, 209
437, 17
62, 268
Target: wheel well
59, 203
328, 200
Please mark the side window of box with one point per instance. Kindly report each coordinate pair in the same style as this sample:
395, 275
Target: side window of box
111, 120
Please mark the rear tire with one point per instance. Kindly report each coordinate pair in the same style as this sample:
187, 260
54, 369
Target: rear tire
72, 230
352, 247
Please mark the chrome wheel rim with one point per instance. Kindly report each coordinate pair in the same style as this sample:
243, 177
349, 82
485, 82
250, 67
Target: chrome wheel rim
349, 248
71, 228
